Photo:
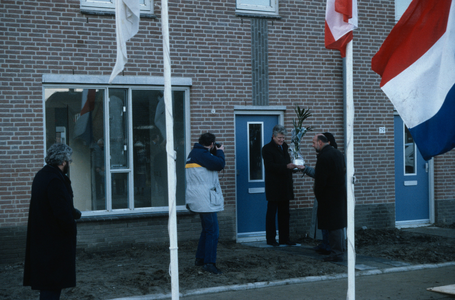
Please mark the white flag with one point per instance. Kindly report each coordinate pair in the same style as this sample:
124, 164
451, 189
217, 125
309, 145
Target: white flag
127, 14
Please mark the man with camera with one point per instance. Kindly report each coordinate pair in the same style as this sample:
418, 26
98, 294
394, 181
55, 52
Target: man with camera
203, 195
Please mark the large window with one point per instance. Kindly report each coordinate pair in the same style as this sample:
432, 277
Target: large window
118, 136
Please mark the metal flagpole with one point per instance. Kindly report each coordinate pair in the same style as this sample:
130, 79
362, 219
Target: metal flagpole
350, 170
171, 153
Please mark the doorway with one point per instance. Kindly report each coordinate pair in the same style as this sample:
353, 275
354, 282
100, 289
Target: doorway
412, 192
252, 132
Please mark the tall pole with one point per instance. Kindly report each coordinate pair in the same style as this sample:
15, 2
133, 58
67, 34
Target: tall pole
349, 92
171, 153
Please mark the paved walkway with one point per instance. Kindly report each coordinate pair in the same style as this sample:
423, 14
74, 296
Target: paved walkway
376, 278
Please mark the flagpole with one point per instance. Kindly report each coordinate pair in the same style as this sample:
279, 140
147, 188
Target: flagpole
171, 153
350, 170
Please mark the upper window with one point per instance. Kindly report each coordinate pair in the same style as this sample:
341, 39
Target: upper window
109, 5
400, 8
257, 6
118, 137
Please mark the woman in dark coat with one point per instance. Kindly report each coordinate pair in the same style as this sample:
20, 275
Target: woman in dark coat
50, 258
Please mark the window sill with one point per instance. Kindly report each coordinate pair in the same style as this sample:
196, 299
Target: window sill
135, 216
112, 13
257, 15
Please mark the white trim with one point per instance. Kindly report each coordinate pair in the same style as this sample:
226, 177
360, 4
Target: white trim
109, 7
119, 80
412, 223
410, 182
245, 7
248, 150
251, 237
257, 190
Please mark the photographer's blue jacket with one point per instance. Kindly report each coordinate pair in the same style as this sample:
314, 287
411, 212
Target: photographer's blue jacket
203, 190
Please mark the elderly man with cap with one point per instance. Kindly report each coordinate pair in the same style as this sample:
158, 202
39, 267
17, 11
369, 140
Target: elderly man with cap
50, 258
330, 190
324, 246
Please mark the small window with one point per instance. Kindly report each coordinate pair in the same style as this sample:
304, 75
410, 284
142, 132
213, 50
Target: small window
257, 6
409, 153
255, 143
109, 6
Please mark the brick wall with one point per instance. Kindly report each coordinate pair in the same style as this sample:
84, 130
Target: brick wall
213, 47
444, 188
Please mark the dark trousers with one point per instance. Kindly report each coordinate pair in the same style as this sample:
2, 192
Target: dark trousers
282, 208
208, 241
50, 295
337, 242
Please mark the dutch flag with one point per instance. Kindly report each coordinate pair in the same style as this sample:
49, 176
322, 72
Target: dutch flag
417, 66
340, 20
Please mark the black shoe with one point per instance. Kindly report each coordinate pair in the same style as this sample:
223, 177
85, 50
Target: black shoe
289, 243
333, 259
323, 252
199, 262
212, 269
274, 244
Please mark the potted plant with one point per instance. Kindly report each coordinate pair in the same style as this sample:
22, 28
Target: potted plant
297, 133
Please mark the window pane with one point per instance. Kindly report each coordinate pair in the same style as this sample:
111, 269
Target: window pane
410, 152
255, 146
258, 6
118, 120
257, 2
75, 117
119, 190
150, 158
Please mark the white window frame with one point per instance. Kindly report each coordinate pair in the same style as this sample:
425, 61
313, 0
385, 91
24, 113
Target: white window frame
130, 83
248, 150
246, 6
109, 6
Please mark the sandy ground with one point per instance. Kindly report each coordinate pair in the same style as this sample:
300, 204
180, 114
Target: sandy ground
144, 269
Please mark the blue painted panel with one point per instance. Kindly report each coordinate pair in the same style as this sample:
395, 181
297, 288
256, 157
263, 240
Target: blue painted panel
411, 190
251, 202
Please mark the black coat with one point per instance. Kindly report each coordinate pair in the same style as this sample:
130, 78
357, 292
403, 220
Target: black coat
330, 189
50, 258
278, 178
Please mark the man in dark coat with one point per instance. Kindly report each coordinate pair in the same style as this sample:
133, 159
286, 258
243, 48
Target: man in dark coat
278, 186
50, 258
330, 190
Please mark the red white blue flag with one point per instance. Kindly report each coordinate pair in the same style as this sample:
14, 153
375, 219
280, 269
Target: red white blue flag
340, 20
417, 66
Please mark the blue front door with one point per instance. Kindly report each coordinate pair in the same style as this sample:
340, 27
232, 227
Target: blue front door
251, 133
411, 178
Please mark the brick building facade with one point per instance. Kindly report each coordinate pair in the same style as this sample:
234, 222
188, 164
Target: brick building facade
52, 47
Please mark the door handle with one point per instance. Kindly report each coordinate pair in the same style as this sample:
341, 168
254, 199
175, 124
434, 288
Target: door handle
426, 167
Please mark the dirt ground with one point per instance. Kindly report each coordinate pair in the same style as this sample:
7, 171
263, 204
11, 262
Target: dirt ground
142, 270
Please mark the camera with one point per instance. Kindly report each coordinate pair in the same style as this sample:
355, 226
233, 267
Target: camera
213, 150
